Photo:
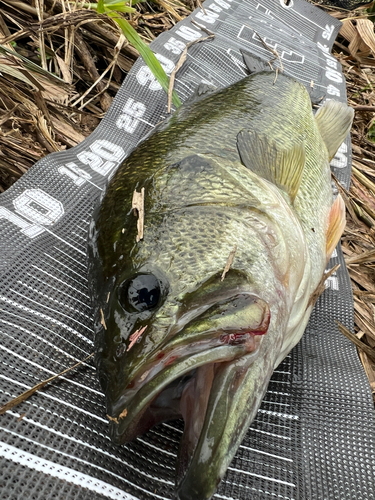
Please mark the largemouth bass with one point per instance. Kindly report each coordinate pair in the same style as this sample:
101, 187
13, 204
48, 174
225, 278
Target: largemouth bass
193, 316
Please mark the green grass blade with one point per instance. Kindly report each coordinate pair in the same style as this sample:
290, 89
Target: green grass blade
123, 2
118, 6
147, 54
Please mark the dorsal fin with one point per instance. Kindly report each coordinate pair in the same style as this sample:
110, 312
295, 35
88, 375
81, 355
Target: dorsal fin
255, 63
334, 120
203, 90
336, 225
283, 167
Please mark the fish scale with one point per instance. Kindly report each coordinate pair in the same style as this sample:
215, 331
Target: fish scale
259, 190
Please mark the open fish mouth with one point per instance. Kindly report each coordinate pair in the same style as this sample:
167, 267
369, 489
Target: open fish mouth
161, 390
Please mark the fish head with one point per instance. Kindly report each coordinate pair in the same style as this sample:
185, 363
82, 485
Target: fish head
160, 325
170, 323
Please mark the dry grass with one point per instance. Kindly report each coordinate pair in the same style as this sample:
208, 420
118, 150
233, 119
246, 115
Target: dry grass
62, 65
355, 48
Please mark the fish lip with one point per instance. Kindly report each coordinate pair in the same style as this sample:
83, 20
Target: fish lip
224, 346
119, 427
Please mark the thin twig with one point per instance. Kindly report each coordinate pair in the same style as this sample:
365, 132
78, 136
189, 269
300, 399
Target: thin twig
203, 28
25, 395
348, 334
273, 51
39, 7
102, 320
138, 205
85, 56
321, 285
122, 415
135, 336
178, 66
201, 7
346, 197
360, 107
111, 67
229, 262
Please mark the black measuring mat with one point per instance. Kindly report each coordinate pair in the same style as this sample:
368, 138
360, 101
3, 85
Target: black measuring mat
313, 436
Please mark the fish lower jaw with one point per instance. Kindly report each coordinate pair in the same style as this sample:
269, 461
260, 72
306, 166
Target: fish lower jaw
155, 397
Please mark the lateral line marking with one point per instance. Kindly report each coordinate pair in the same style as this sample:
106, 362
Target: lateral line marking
43, 328
88, 463
70, 257
59, 416
84, 443
279, 414
61, 271
80, 237
271, 434
156, 448
53, 300
60, 291
81, 276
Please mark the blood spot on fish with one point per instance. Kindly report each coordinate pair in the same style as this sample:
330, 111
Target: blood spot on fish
170, 361
160, 355
232, 338
247, 340
235, 338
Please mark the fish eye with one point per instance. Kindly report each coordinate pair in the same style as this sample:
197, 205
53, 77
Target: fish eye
140, 293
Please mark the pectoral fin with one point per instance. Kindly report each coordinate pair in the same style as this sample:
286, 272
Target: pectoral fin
336, 225
283, 167
334, 120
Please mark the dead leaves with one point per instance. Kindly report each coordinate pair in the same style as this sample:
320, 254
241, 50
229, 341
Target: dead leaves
360, 35
76, 59
355, 49
366, 349
353, 35
358, 246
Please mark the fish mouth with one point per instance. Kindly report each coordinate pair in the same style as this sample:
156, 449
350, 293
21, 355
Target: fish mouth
185, 365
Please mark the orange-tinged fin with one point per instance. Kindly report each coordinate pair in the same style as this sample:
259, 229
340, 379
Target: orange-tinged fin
336, 225
334, 120
283, 167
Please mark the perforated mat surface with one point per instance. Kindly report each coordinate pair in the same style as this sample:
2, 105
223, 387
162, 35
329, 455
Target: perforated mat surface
313, 437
